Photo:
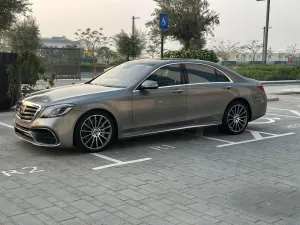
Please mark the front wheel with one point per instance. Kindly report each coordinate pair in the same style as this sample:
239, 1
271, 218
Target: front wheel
94, 131
235, 119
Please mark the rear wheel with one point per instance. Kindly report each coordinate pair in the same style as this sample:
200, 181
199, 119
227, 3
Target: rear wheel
235, 119
94, 131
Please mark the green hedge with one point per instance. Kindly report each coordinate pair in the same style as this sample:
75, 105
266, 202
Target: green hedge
204, 54
270, 72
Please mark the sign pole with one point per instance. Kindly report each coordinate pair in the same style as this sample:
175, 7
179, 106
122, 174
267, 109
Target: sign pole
162, 44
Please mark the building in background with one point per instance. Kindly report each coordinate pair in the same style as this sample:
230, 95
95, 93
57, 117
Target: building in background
58, 42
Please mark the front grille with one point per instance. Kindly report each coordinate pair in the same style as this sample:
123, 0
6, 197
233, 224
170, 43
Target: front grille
27, 111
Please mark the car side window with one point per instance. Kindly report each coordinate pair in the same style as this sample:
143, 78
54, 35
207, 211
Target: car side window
221, 77
167, 76
200, 73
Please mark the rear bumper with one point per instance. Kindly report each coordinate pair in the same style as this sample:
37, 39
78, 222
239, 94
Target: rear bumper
259, 107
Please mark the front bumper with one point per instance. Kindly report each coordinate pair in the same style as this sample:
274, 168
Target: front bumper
47, 132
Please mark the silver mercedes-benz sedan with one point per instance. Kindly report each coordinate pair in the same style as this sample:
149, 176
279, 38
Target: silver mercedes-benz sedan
138, 98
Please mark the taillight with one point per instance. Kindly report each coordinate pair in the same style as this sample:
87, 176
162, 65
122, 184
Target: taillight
260, 86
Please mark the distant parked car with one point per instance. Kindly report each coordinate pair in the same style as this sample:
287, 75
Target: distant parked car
138, 98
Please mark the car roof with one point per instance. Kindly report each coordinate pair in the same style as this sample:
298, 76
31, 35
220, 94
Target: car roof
161, 62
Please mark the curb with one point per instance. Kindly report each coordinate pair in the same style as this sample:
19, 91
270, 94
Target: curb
273, 99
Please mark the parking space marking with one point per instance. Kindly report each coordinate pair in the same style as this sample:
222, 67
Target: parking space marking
272, 114
254, 140
292, 111
268, 120
6, 125
256, 134
162, 147
31, 169
209, 138
121, 163
107, 158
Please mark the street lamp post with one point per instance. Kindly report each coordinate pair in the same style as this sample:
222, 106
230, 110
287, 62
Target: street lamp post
266, 36
133, 28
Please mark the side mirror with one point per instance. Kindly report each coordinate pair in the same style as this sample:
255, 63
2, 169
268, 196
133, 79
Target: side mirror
149, 84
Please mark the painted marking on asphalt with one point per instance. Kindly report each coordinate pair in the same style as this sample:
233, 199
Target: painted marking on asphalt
107, 158
268, 120
289, 110
283, 115
162, 147
295, 112
7, 125
289, 101
256, 134
209, 138
254, 140
30, 170
121, 163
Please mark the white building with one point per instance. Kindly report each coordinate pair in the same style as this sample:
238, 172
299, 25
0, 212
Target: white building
247, 57
58, 42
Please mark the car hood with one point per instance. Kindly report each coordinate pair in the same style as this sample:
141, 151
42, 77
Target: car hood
49, 96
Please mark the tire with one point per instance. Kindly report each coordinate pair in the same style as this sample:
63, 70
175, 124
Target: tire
95, 131
235, 119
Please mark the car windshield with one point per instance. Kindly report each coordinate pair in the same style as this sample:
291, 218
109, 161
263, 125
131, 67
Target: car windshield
124, 75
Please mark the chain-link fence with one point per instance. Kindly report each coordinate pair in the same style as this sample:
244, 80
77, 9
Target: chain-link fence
64, 62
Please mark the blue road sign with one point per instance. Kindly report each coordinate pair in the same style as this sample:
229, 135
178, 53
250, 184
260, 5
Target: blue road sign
164, 21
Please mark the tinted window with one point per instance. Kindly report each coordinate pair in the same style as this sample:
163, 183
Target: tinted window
200, 73
221, 77
124, 75
167, 76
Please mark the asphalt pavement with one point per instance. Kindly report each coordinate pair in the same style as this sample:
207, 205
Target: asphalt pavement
195, 176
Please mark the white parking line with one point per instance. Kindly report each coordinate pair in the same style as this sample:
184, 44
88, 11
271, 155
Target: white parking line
283, 115
107, 158
209, 138
254, 140
121, 163
7, 125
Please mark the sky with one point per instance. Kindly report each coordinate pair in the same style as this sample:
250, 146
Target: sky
240, 20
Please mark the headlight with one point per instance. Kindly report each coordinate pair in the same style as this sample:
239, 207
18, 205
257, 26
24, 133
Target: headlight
56, 110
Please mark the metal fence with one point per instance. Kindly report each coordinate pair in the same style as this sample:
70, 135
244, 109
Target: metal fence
64, 62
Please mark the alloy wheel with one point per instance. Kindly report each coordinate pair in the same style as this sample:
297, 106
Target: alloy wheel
237, 118
96, 132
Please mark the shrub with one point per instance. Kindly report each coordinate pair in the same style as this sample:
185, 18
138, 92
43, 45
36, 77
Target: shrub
204, 54
270, 72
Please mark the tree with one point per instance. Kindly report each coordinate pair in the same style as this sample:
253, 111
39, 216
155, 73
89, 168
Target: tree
3, 40
189, 20
9, 9
254, 47
270, 53
198, 43
92, 40
129, 46
153, 46
106, 53
226, 49
281, 56
25, 36
292, 50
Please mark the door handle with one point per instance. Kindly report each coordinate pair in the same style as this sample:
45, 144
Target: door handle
177, 91
227, 87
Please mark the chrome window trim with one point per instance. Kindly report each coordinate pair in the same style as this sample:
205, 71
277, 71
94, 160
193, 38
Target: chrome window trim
230, 80
179, 63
